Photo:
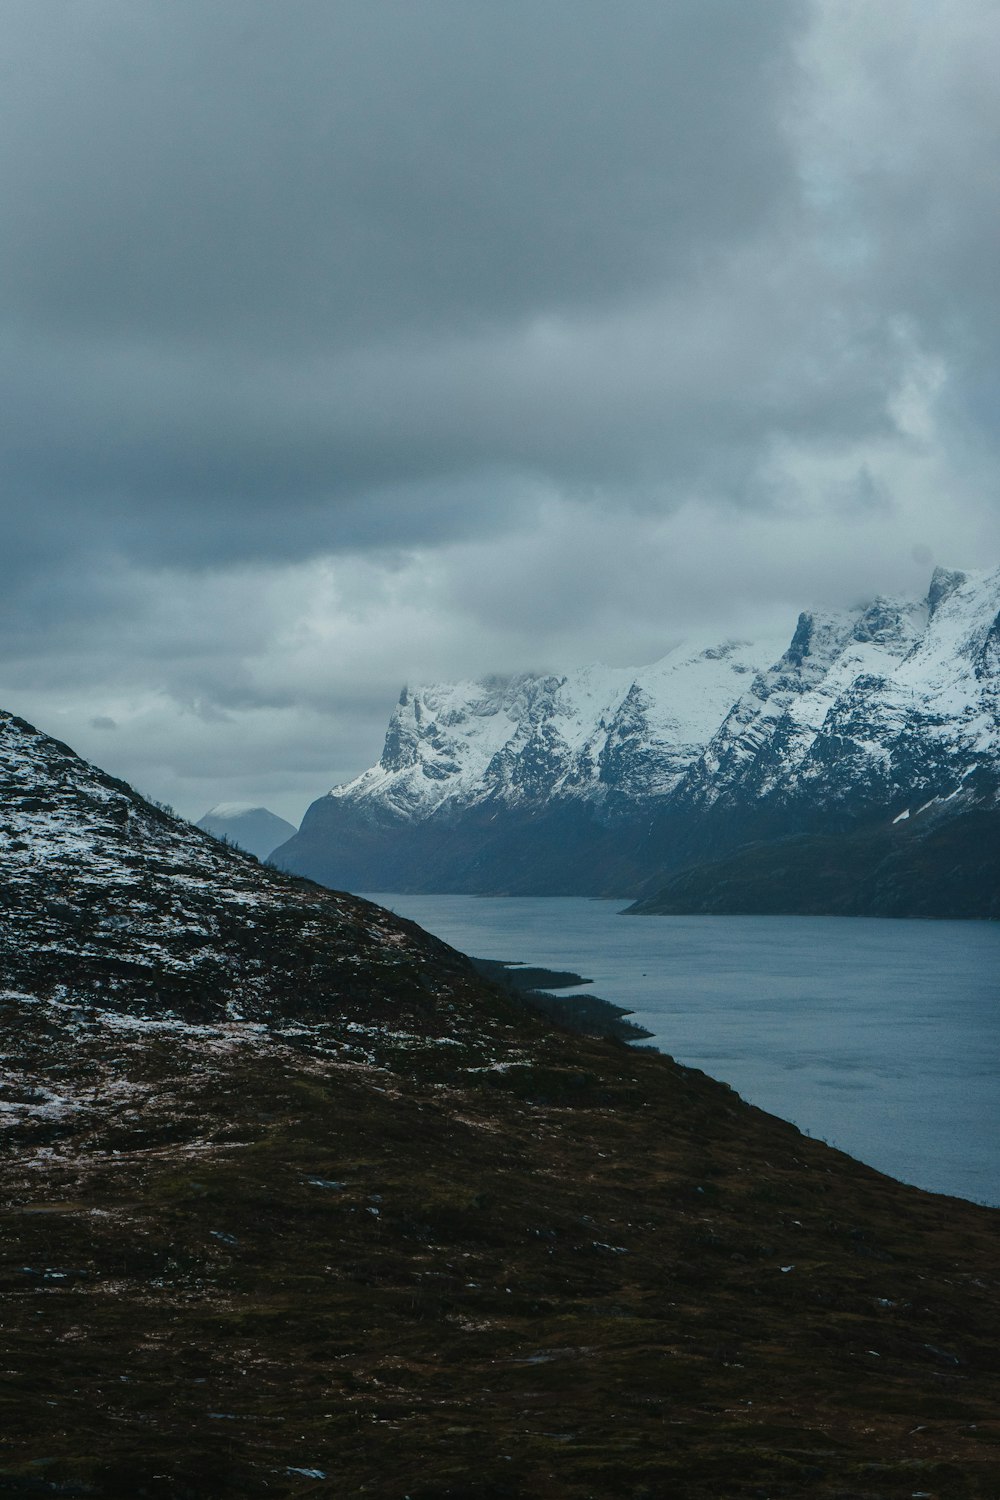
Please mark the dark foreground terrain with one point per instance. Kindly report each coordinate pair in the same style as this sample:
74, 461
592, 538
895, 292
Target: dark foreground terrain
590, 1273
297, 1203
930, 865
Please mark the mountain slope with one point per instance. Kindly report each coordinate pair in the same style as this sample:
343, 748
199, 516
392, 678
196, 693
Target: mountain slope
860, 775
112, 906
943, 862
296, 1204
255, 829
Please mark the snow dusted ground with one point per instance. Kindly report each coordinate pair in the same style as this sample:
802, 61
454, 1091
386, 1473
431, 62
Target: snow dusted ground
119, 918
142, 962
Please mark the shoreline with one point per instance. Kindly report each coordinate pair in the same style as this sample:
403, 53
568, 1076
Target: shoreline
588, 1014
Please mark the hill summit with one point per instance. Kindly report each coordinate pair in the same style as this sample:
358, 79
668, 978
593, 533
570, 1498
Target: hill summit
255, 829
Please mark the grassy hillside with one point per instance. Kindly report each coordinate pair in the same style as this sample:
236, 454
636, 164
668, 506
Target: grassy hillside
238, 1269
948, 868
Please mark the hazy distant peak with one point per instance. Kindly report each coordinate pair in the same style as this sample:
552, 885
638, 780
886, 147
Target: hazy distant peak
255, 829
235, 809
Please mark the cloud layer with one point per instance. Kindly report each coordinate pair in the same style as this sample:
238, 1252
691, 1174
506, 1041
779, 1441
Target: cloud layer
345, 343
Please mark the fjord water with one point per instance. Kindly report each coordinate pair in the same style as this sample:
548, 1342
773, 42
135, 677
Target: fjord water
880, 1036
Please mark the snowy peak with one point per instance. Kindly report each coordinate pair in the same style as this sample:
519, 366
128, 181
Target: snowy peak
602, 780
943, 583
867, 703
594, 733
890, 624
442, 742
225, 810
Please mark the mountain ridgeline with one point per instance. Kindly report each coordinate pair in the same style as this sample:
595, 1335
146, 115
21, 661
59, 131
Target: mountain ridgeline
854, 770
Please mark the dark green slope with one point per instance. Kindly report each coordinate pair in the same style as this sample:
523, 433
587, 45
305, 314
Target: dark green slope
565, 847
944, 867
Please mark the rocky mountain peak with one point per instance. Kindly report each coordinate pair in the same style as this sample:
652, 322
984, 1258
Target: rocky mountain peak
944, 582
594, 779
886, 622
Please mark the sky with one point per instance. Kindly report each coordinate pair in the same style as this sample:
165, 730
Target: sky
348, 345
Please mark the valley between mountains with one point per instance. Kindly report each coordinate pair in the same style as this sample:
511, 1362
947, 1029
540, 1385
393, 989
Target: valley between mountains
297, 1203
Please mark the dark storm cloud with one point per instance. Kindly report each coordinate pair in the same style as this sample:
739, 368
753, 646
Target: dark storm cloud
898, 122
222, 460
316, 172
271, 272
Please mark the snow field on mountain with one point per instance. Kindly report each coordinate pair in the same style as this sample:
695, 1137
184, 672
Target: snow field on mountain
459, 742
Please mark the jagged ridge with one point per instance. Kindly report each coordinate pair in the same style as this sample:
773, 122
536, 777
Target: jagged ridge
609, 781
524, 783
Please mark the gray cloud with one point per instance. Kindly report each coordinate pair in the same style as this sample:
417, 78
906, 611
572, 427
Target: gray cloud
274, 266
900, 124
318, 172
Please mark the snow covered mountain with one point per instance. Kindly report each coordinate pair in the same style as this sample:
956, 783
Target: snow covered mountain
515, 782
255, 829
595, 733
860, 774
895, 701
605, 781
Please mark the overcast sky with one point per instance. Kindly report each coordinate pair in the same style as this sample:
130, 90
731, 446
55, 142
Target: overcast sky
345, 344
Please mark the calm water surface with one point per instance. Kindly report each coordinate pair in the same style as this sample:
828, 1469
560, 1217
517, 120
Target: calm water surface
882, 1037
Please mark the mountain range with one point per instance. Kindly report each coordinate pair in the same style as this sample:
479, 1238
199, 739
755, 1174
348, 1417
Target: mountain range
854, 768
297, 1203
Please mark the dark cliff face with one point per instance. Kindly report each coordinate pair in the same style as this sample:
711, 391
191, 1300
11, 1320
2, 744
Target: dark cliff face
798, 650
